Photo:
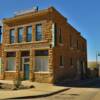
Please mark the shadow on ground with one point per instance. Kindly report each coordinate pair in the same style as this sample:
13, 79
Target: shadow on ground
86, 83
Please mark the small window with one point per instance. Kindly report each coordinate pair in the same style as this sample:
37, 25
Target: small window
20, 34
71, 41
60, 37
26, 60
38, 32
71, 61
29, 34
12, 36
61, 61
77, 44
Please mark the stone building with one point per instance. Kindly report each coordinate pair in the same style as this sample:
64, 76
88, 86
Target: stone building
40, 45
0, 52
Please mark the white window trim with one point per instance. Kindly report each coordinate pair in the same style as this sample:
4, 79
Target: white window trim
10, 71
39, 72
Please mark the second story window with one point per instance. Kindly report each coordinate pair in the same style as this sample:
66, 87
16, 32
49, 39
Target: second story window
77, 44
20, 34
12, 36
29, 34
60, 37
38, 32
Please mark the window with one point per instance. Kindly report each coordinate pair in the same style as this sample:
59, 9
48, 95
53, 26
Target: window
41, 60
20, 34
77, 44
12, 36
71, 61
0, 66
26, 60
29, 34
38, 32
61, 61
60, 37
11, 66
71, 44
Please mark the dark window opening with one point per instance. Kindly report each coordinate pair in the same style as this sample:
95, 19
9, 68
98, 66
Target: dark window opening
60, 37
38, 32
61, 61
41, 53
20, 34
12, 36
29, 34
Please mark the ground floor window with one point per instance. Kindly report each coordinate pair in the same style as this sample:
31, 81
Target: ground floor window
41, 60
61, 61
11, 66
0, 66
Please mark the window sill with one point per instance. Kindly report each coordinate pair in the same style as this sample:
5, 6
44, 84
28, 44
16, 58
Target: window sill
28, 42
10, 71
42, 72
61, 66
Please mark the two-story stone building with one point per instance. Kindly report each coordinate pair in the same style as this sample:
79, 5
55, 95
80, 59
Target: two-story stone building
42, 46
0, 51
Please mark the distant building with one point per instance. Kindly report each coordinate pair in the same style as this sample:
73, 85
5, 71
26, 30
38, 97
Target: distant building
42, 46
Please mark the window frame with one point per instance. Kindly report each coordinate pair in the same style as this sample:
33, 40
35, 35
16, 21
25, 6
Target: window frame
7, 68
28, 34
37, 34
61, 62
60, 36
41, 55
20, 41
12, 37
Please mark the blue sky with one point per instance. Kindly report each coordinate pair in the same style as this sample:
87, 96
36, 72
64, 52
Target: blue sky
84, 15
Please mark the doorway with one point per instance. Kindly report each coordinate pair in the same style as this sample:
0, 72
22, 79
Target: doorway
26, 71
26, 67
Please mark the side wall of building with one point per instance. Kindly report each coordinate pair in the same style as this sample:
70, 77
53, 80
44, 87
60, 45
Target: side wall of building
70, 49
0, 61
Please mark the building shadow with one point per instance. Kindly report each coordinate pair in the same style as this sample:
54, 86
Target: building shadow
86, 83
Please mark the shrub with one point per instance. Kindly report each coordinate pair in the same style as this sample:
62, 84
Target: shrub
17, 82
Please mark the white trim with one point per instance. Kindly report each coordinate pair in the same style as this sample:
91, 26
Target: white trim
22, 43
10, 71
42, 72
53, 35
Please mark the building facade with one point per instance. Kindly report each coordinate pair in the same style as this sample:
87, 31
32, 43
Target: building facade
42, 46
0, 51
